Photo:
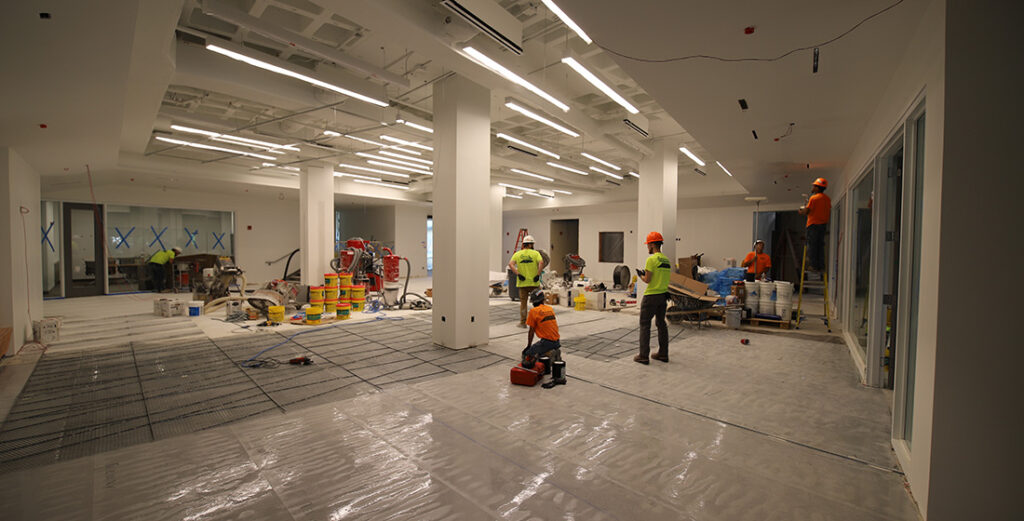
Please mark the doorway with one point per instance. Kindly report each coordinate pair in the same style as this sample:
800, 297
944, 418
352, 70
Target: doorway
565, 239
85, 272
891, 260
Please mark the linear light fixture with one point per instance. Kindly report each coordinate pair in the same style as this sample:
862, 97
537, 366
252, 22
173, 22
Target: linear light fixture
302, 77
211, 147
537, 194
399, 167
282, 167
531, 174
374, 170
415, 125
567, 168
562, 192
567, 21
407, 158
634, 174
601, 86
392, 160
364, 140
726, 170
537, 117
236, 140
407, 143
332, 133
605, 172
692, 156
513, 196
405, 150
500, 69
385, 185
357, 176
517, 187
599, 160
518, 141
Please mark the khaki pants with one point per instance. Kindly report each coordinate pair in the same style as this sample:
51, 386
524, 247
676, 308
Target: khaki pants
524, 302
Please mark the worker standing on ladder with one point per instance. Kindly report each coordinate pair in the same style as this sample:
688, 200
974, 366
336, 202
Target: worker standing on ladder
527, 264
818, 210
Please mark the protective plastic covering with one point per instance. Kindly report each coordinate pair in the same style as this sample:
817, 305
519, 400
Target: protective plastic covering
721, 281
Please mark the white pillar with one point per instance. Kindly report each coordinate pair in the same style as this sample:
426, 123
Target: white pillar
316, 222
657, 200
497, 200
462, 141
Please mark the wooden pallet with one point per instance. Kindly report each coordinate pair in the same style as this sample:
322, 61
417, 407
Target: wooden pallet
781, 324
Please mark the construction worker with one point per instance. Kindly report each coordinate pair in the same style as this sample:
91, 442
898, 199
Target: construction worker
527, 264
757, 262
542, 323
818, 210
157, 265
655, 274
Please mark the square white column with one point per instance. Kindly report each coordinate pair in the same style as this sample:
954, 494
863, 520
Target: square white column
462, 141
316, 222
657, 200
497, 201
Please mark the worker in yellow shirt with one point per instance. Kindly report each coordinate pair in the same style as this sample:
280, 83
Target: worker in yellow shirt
157, 265
818, 210
527, 264
757, 262
656, 273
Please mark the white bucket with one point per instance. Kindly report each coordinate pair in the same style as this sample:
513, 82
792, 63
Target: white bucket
766, 291
783, 289
784, 309
195, 308
754, 305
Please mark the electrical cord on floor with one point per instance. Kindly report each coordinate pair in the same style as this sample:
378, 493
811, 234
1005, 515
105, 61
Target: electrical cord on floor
253, 362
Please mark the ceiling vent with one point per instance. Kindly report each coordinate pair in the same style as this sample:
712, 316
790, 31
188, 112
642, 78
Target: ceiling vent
638, 124
492, 20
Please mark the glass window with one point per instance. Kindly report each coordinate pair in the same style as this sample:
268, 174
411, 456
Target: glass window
430, 243
611, 246
863, 200
50, 224
915, 281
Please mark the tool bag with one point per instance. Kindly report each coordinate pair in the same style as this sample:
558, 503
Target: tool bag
527, 376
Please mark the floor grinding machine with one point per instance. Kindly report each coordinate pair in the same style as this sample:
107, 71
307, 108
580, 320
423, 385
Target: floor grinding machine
377, 268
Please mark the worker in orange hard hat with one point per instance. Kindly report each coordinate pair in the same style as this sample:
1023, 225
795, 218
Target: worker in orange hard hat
655, 274
818, 210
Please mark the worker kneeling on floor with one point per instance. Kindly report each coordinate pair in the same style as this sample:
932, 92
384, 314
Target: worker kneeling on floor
542, 323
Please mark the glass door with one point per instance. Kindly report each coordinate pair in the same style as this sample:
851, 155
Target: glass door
85, 272
838, 252
857, 322
891, 259
51, 241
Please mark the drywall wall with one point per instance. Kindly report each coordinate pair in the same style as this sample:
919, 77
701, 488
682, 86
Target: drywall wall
20, 298
372, 223
411, 237
266, 228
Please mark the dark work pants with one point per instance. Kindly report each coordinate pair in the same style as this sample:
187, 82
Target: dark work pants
653, 306
157, 275
816, 246
545, 347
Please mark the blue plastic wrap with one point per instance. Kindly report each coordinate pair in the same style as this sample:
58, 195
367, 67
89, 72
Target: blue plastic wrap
721, 281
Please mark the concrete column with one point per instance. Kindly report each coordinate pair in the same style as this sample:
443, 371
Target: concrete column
21, 297
497, 256
316, 222
462, 134
657, 200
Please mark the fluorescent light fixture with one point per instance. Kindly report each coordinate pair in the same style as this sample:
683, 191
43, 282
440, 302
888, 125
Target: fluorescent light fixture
364, 140
498, 68
692, 156
567, 169
723, 168
405, 150
392, 160
374, 170
517, 187
605, 172
332, 133
634, 174
385, 185
288, 168
357, 176
415, 125
513, 196
537, 117
601, 86
302, 77
518, 141
399, 167
407, 143
599, 160
562, 192
567, 21
407, 158
531, 174
535, 194
211, 147
236, 140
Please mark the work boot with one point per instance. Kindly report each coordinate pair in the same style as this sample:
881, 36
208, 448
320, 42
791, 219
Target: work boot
640, 360
557, 375
660, 357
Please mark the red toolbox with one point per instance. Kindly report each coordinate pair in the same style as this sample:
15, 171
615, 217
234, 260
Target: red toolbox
524, 376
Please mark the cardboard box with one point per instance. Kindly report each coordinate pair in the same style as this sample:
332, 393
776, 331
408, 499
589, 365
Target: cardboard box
551, 299
687, 266
689, 287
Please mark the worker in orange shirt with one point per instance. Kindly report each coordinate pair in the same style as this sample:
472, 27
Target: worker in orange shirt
818, 209
757, 262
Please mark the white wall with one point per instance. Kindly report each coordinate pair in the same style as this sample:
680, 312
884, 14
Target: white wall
411, 237
19, 287
718, 233
274, 222
373, 223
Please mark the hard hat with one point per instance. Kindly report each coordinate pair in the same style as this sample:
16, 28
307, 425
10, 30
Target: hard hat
654, 237
820, 182
176, 249
758, 241
528, 239
537, 297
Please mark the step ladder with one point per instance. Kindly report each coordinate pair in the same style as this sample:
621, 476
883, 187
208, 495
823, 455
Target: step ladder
519, 239
806, 283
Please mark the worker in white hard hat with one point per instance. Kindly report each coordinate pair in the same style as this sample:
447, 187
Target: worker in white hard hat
527, 265
157, 265
757, 262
